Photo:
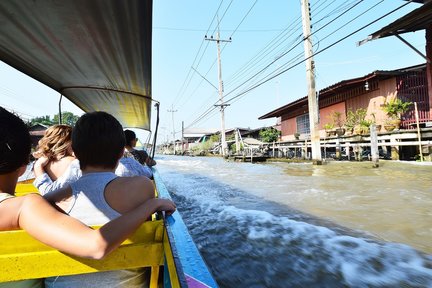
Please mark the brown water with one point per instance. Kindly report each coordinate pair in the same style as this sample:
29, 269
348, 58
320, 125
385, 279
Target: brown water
393, 201
300, 225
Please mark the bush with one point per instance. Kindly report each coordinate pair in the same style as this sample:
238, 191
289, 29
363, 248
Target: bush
269, 135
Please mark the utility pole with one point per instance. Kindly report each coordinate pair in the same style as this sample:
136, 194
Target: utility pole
173, 111
312, 97
182, 138
222, 105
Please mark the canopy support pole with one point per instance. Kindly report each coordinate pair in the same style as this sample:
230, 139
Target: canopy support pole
156, 130
60, 111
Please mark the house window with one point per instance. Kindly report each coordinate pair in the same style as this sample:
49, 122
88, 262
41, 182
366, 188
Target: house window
303, 124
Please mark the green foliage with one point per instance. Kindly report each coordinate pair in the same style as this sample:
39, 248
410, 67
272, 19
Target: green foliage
350, 119
45, 120
67, 118
366, 123
215, 138
233, 147
396, 107
206, 146
356, 118
337, 119
269, 134
328, 126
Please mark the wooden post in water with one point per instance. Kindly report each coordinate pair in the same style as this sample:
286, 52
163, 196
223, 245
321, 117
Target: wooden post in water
394, 149
374, 146
418, 131
274, 149
338, 149
237, 142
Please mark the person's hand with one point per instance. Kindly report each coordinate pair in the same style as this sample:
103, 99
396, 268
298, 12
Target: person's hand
39, 165
42, 161
158, 204
166, 205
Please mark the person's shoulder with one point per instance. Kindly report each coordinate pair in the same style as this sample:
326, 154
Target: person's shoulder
131, 181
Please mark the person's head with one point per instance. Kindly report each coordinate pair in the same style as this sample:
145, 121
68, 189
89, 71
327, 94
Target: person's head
98, 140
15, 142
130, 137
56, 143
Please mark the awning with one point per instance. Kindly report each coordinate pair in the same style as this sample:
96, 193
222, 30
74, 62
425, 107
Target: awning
418, 19
97, 53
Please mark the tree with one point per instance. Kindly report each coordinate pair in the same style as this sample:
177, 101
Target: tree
269, 134
68, 118
45, 120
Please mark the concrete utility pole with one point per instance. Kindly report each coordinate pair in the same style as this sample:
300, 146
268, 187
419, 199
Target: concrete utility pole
222, 105
182, 138
312, 97
173, 111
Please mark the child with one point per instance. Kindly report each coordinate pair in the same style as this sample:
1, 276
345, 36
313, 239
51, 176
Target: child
44, 222
99, 195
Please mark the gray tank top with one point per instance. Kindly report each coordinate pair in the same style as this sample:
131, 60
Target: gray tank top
88, 204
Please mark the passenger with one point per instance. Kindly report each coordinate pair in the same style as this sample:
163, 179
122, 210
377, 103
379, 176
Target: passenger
99, 195
55, 148
140, 155
44, 222
56, 165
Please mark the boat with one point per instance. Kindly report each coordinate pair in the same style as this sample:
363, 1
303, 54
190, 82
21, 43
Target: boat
97, 54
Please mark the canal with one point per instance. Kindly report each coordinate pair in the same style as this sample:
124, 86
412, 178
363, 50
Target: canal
298, 225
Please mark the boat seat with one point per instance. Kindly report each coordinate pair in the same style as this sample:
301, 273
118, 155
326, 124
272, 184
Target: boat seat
23, 257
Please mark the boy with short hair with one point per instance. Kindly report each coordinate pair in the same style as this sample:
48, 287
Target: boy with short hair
99, 195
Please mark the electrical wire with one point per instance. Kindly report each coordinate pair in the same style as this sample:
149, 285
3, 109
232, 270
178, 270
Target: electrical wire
302, 61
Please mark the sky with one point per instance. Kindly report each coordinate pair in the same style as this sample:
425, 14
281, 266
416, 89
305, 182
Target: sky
266, 39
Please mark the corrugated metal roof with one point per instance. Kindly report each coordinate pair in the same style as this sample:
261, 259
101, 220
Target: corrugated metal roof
419, 19
96, 53
342, 85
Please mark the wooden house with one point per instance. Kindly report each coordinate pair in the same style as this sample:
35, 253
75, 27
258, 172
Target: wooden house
369, 92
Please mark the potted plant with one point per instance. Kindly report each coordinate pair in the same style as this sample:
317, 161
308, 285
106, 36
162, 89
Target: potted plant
365, 126
378, 126
350, 122
297, 135
389, 125
339, 122
329, 129
359, 120
395, 108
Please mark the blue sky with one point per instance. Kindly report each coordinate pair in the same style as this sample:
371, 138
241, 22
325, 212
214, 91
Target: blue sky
262, 32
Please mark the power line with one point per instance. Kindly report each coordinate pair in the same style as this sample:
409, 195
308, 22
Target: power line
316, 53
319, 52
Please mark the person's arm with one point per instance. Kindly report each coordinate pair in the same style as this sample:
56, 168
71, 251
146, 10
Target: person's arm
148, 160
62, 232
129, 167
44, 183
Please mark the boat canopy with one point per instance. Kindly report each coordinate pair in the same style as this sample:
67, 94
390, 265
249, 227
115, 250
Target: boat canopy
95, 53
